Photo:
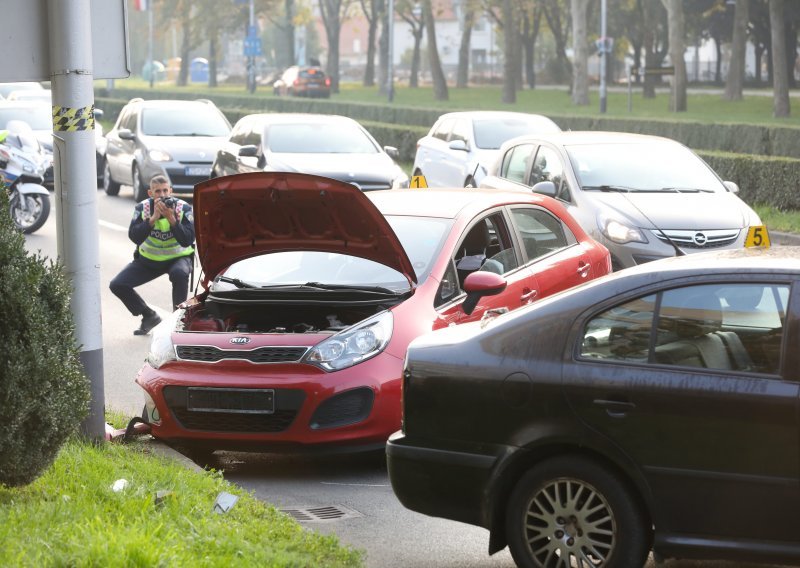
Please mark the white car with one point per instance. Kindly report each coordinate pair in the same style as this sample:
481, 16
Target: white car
643, 197
462, 146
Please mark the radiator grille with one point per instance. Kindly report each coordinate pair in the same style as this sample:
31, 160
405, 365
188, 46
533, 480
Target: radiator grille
211, 354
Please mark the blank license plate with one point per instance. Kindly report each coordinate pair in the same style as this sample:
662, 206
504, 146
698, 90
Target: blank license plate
243, 401
203, 171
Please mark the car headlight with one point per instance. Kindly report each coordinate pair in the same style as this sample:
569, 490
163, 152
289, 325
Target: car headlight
353, 345
619, 232
162, 350
159, 156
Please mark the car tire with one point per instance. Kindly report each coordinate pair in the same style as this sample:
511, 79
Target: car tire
139, 189
109, 185
547, 518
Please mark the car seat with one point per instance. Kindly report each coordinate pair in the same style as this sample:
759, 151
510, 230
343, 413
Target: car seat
472, 252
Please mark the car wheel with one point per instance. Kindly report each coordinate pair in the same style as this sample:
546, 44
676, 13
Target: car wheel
139, 189
109, 185
570, 511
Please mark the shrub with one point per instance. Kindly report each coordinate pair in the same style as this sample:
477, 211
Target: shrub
43, 392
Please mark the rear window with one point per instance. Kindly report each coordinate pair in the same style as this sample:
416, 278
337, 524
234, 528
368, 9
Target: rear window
319, 138
199, 120
312, 73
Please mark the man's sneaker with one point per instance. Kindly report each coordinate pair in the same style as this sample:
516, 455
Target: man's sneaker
148, 323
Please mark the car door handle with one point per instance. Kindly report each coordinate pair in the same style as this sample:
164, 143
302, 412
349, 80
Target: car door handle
528, 295
583, 269
615, 408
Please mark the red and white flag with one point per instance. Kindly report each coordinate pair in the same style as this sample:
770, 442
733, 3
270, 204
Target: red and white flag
141, 5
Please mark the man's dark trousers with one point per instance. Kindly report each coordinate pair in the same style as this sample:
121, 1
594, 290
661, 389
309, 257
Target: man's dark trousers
141, 271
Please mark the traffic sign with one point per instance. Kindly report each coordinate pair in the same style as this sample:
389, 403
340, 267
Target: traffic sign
252, 46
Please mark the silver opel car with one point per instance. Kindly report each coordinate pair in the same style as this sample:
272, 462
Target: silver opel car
643, 197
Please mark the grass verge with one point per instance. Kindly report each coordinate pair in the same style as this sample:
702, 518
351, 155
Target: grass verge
777, 220
71, 517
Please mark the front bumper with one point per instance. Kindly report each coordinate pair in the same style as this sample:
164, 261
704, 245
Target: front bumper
359, 406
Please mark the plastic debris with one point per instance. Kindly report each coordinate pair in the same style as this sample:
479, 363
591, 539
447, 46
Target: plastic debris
119, 485
225, 502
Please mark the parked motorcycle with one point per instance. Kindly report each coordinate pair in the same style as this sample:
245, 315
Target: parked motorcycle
22, 169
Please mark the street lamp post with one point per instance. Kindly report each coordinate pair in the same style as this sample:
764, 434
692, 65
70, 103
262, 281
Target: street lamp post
251, 59
603, 56
390, 65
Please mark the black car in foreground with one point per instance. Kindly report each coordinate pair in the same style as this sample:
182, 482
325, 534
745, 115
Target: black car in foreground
653, 409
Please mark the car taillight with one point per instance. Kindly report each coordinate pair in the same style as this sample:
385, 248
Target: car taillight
327, 81
296, 82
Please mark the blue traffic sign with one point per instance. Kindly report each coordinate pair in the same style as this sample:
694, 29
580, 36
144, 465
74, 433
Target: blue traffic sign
252, 46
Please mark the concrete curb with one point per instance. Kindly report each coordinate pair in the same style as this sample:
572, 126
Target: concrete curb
784, 239
159, 448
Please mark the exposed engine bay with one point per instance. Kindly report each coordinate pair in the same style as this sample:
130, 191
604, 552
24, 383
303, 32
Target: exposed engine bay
225, 314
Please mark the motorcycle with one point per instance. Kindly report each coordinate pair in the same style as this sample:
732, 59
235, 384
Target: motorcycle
22, 169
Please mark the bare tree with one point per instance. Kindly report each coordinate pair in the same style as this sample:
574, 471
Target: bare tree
412, 15
677, 99
462, 76
531, 23
558, 22
333, 13
735, 81
373, 12
780, 82
509, 47
580, 59
440, 92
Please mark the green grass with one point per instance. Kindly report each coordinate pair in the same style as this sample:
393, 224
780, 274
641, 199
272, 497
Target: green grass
71, 517
707, 108
776, 220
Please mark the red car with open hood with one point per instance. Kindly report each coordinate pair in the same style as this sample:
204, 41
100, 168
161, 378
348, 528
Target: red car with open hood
312, 291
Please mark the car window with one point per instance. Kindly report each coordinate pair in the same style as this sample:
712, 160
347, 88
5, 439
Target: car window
448, 287
319, 138
38, 117
541, 232
515, 162
491, 133
254, 134
460, 131
311, 74
487, 246
239, 132
737, 327
194, 120
548, 167
442, 130
129, 121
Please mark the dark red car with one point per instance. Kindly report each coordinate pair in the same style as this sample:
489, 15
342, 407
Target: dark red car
313, 291
302, 81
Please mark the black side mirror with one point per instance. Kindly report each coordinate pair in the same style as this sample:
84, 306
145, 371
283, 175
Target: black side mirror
479, 284
248, 151
98, 113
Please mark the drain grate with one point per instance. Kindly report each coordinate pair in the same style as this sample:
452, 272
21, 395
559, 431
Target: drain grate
323, 514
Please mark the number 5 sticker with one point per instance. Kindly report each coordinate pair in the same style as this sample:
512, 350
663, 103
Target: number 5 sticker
757, 236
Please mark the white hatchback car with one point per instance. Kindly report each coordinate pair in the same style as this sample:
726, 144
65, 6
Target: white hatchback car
461, 146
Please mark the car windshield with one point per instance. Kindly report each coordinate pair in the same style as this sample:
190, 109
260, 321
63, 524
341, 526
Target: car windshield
421, 237
491, 133
38, 117
319, 138
636, 166
191, 121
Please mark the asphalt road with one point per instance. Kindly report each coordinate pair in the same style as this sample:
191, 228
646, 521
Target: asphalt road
345, 495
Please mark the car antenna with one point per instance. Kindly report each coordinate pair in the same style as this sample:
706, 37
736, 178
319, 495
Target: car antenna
678, 250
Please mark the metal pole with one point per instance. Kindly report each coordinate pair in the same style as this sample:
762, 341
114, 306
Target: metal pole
390, 70
71, 70
603, 56
150, 42
251, 59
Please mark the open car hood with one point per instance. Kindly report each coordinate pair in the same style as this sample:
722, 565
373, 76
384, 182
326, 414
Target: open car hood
244, 215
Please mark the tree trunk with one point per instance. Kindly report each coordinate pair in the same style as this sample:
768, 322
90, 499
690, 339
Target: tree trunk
735, 81
759, 48
780, 82
383, 55
462, 77
649, 23
509, 75
331, 19
440, 92
212, 60
677, 99
580, 60
186, 28
288, 6
529, 35
413, 80
372, 34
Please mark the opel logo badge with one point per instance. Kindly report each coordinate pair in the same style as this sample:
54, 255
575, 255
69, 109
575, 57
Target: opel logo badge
700, 239
240, 340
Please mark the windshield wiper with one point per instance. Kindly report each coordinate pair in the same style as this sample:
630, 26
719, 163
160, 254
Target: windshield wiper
687, 190
321, 286
236, 282
617, 188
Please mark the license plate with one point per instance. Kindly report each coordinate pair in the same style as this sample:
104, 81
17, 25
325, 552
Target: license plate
242, 401
203, 171
757, 236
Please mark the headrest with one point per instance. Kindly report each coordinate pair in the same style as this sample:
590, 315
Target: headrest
694, 313
476, 240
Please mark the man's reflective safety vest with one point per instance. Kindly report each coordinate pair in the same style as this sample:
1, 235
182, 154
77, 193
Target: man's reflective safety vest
161, 244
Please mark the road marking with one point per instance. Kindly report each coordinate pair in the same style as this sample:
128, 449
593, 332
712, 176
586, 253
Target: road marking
112, 226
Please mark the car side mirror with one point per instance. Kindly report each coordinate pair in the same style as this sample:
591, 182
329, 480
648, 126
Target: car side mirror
480, 284
393, 152
545, 188
458, 145
98, 113
126, 134
248, 151
732, 186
